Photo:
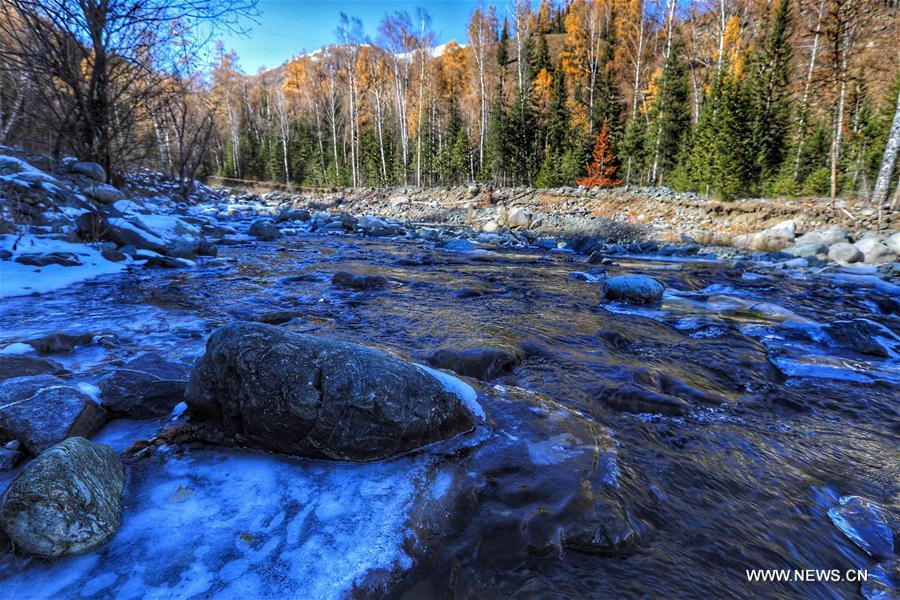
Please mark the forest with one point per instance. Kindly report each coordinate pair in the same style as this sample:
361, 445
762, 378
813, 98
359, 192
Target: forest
728, 98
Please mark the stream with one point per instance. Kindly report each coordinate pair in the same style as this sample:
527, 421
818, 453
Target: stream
785, 448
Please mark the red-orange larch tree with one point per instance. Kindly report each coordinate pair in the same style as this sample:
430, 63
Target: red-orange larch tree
602, 170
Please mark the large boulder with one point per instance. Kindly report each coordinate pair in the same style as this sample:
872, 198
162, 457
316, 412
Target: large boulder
65, 501
40, 411
146, 387
772, 239
258, 385
634, 289
12, 365
91, 170
480, 363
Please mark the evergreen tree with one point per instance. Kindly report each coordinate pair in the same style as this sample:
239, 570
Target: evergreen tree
716, 161
522, 137
670, 114
634, 152
539, 57
768, 89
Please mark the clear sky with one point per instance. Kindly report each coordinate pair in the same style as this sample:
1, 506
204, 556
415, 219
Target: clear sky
289, 27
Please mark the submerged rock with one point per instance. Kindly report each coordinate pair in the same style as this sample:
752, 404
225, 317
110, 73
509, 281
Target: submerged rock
260, 386
146, 387
459, 245
864, 336
480, 363
634, 289
40, 416
65, 501
359, 282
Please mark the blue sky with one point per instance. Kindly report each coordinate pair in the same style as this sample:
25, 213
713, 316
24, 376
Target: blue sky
288, 27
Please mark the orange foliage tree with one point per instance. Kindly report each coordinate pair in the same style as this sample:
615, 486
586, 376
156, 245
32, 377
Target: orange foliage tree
602, 170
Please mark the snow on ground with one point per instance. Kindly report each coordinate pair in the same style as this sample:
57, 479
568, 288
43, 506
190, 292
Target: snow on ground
17, 279
239, 524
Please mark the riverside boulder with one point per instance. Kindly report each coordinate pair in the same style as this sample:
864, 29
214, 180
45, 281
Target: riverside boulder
260, 386
65, 501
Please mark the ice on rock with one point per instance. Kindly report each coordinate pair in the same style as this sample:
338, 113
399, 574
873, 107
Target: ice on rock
466, 393
239, 524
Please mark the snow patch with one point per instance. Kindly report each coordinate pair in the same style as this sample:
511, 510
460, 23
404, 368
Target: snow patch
17, 279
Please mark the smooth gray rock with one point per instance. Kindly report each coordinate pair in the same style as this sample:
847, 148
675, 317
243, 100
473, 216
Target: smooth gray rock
89, 169
265, 230
22, 366
146, 387
634, 289
103, 193
806, 249
65, 501
258, 385
833, 234
893, 243
844, 252
48, 415
874, 250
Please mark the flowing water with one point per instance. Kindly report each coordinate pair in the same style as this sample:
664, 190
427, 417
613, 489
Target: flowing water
782, 423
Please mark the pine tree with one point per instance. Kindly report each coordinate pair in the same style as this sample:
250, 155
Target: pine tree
716, 159
670, 113
633, 150
602, 170
540, 54
768, 89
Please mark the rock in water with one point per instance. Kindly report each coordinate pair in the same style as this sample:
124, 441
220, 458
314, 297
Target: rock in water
265, 230
66, 500
41, 416
634, 289
146, 387
12, 365
359, 282
258, 385
480, 363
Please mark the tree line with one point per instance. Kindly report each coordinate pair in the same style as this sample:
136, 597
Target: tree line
729, 98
